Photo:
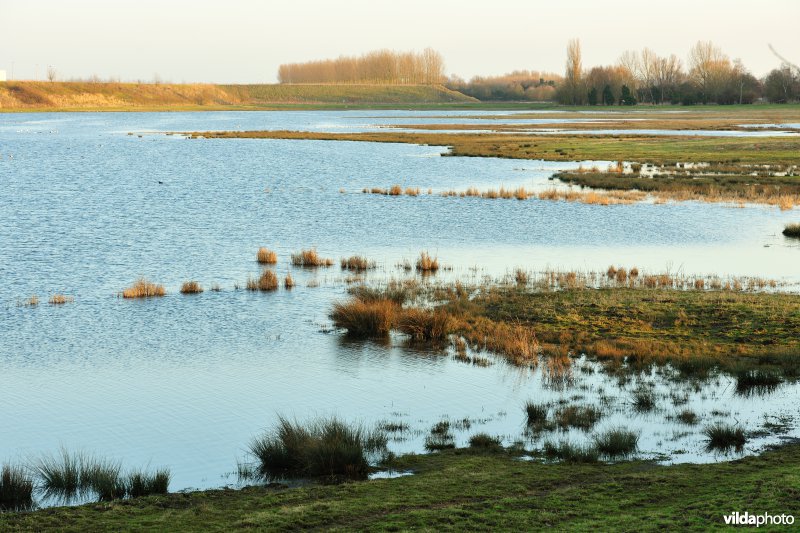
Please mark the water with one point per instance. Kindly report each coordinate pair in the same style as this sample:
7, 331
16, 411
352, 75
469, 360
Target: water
187, 381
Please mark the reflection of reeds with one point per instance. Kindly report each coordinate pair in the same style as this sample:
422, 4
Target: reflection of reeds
144, 289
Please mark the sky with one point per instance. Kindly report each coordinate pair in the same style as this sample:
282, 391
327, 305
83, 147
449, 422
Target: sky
240, 41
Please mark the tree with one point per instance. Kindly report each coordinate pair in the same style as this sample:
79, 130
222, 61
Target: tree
626, 97
592, 96
51, 73
573, 79
780, 85
608, 96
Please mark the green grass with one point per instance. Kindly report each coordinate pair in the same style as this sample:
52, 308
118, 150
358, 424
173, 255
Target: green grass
326, 448
467, 490
724, 437
570, 453
484, 440
616, 442
16, 488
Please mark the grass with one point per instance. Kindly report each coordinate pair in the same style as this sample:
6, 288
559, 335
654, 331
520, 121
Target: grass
688, 417
325, 448
16, 489
140, 483
102, 96
724, 437
757, 380
60, 299
265, 256
485, 441
310, 258
426, 263
440, 437
191, 287
356, 263
643, 400
792, 230
466, 489
288, 282
142, 288
577, 416
32, 301
536, 414
569, 452
616, 442
364, 318
267, 281
425, 324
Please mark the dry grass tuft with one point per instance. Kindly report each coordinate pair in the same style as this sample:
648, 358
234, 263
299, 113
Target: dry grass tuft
365, 318
288, 282
425, 324
265, 256
191, 287
395, 190
60, 299
268, 281
426, 263
310, 258
356, 263
143, 289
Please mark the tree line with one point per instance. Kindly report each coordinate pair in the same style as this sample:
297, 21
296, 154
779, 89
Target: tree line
710, 76
514, 86
386, 67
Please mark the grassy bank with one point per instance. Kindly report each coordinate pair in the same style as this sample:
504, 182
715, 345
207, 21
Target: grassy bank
464, 489
85, 96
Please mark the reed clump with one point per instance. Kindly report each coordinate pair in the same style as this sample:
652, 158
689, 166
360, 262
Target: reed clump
60, 299
427, 263
792, 230
577, 416
288, 282
142, 288
485, 441
265, 256
16, 489
569, 452
365, 318
325, 448
536, 414
191, 287
616, 442
310, 258
356, 263
267, 281
724, 436
425, 324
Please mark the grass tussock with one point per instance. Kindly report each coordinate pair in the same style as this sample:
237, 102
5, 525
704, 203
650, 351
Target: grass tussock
757, 380
485, 441
326, 448
687, 416
60, 299
792, 230
356, 263
365, 318
142, 288
643, 400
288, 282
16, 489
426, 263
191, 287
440, 437
141, 483
33, 301
536, 414
267, 281
310, 258
616, 442
265, 256
569, 452
724, 437
577, 416
425, 324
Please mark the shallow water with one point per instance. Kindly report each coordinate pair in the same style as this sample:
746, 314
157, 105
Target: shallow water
186, 381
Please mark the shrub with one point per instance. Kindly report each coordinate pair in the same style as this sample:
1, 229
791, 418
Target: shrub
364, 318
265, 256
16, 489
325, 448
142, 288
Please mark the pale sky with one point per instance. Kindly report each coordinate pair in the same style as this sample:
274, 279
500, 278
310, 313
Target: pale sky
239, 41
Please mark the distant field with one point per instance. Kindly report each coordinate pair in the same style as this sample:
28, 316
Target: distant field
85, 96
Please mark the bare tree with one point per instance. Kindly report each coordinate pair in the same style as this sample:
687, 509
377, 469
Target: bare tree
51, 73
573, 77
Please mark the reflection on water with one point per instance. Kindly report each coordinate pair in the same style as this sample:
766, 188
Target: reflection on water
187, 381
